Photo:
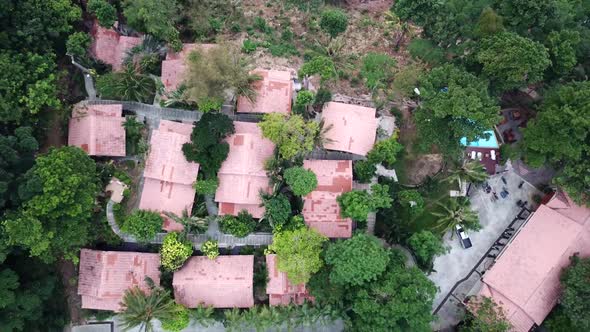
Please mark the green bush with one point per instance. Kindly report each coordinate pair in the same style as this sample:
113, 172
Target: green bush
322, 96
302, 181
178, 321
143, 225
321, 65
385, 151
277, 211
210, 249
206, 187
175, 251
412, 201
364, 170
333, 22
78, 44
377, 70
104, 11
427, 51
210, 104
426, 246
239, 226
249, 46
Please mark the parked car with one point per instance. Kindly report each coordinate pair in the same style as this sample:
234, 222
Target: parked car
463, 237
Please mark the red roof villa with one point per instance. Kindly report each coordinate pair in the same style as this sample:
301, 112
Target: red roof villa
174, 66
110, 47
226, 282
274, 93
280, 291
524, 280
106, 275
321, 211
98, 130
168, 176
242, 175
353, 127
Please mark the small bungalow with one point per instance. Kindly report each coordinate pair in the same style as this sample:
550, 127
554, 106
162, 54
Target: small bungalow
352, 128
105, 276
524, 279
226, 282
168, 176
486, 150
321, 211
274, 93
279, 289
98, 130
174, 67
110, 47
242, 175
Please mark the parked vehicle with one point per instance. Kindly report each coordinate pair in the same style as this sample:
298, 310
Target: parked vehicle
463, 237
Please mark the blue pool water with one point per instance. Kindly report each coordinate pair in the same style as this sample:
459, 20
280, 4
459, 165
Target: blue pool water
483, 143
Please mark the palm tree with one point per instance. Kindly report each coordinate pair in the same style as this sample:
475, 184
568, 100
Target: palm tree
456, 212
321, 140
141, 308
471, 171
192, 224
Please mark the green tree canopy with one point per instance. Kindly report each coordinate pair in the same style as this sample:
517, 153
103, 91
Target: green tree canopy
575, 298
385, 151
456, 211
60, 191
412, 201
104, 11
511, 61
426, 246
239, 226
562, 47
357, 204
422, 12
333, 22
277, 210
488, 317
27, 85
143, 224
175, 251
524, 15
455, 100
154, 17
560, 135
302, 181
292, 135
207, 146
298, 253
356, 261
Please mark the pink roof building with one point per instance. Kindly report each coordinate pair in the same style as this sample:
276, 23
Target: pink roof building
524, 280
98, 130
353, 127
279, 289
174, 67
226, 282
168, 176
110, 47
105, 276
321, 211
274, 93
242, 175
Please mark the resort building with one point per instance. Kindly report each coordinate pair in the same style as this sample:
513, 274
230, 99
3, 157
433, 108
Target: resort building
110, 47
98, 130
321, 211
274, 93
352, 128
242, 175
225, 282
105, 276
279, 289
175, 65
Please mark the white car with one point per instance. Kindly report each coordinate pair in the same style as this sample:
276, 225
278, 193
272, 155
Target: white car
463, 237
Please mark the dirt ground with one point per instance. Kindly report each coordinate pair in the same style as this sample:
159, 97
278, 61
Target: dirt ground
69, 278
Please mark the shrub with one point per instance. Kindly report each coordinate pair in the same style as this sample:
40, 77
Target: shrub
385, 151
377, 70
302, 181
126, 85
364, 171
333, 22
427, 51
322, 96
239, 226
249, 46
175, 251
412, 201
210, 248
321, 65
277, 210
104, 12
426, 246
178, 321
142, 224
206, 187
77, 44
304, 98
357, 204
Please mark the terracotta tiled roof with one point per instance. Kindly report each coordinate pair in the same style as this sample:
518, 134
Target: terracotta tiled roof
274, 93
242, 175
106, 275
321, 211
353, 127
525, 279
98, 130
168, 175
174, 67
280, 291
110, 47
226, 282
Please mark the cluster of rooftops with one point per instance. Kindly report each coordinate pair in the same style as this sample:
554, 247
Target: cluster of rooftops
227, 281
